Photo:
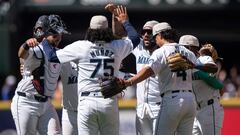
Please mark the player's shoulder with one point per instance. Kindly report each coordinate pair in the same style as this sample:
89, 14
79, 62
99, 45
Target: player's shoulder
120, 41
205, 60
37, 51
80, 42
140, 46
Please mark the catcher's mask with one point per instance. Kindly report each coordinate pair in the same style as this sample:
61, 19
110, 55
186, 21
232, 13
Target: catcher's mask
56, 25
41, 27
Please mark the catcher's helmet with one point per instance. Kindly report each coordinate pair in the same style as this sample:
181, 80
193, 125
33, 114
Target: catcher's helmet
56, 25
41, 27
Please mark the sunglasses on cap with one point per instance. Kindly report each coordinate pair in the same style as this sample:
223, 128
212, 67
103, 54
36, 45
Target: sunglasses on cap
148, 31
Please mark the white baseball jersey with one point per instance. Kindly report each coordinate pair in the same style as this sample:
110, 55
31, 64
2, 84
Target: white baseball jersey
95, 60
69, 74
178, 107
51, 72
69, 80
210, 113
29, 114
181, 80
148, 91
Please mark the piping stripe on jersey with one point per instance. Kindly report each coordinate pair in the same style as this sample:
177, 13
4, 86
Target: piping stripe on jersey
214, 124
18, 116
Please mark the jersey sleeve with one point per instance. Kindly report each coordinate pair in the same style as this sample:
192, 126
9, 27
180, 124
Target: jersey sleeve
156, 61
124, 47
202, 60
136, 49
34, 52
71, 52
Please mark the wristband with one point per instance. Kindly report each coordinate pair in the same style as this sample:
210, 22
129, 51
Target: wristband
25, 46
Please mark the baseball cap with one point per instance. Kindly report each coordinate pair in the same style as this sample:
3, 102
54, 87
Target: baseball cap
98, 22
150, 24
189, 40
161, 27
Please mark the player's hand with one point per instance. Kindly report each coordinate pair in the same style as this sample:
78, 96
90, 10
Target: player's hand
121, 15
111, 8
128, 82
32, 42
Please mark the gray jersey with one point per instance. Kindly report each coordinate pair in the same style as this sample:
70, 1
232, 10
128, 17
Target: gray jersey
95, 60
203, 91
51, 72
148, 91
181, 80
69, 80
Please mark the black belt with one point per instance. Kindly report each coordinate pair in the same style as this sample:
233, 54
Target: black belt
85, 93
38, 98
92, 93
210, 101
176, 91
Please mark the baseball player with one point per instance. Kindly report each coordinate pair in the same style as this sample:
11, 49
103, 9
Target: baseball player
148, 91
210, 113
69, 82
178, 107
99, 58
69, 98
31, 106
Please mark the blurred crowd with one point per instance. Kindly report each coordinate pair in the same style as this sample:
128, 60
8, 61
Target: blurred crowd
230, 78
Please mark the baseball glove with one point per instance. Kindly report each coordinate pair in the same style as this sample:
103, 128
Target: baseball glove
209, 50
112, 87
177, 62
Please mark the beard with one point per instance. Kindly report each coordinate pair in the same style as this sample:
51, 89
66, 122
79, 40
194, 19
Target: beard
149, 45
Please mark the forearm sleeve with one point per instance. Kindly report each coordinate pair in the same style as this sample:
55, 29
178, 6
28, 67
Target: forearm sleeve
132, 33
211, 81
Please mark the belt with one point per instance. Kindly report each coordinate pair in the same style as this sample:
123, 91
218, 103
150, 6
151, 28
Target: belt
175, 91
92, 94
209, 102
38, 98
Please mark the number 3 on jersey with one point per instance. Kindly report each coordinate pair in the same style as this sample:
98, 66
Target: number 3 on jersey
106, 67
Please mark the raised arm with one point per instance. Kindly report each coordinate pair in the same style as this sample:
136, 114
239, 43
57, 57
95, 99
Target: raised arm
117, 27
122, 17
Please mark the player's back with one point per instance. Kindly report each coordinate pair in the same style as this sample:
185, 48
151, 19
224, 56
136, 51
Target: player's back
102, 61
180, 80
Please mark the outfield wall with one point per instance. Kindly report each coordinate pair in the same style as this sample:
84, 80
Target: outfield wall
231, 124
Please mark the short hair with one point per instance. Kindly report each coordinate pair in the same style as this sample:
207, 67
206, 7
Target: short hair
170, 34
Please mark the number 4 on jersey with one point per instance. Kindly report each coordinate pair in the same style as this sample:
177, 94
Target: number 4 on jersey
183, 74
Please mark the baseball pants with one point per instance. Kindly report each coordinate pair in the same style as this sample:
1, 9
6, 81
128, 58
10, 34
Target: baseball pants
145, 125
69, 122
210, 118
98, 114
177, 114
32, 117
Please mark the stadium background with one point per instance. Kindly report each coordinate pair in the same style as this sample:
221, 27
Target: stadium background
212, 21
